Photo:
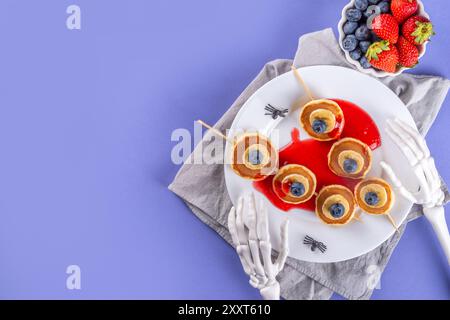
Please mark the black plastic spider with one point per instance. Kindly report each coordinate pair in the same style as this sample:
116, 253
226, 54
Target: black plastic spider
274, 112
315, 244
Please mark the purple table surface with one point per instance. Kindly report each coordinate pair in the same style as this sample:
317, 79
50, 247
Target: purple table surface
86, 118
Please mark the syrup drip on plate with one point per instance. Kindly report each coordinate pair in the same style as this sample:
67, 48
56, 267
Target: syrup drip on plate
313, 154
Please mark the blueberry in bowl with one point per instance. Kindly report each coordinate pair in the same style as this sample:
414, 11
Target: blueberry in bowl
356, 54
361, 4
364, 46
384, 6
365, 63
350, 42
362, 33
353, 15
350, 27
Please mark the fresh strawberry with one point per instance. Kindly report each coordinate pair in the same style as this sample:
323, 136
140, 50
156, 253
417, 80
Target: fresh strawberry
408, 53
386, 27
417, 30
403, 9
383, 55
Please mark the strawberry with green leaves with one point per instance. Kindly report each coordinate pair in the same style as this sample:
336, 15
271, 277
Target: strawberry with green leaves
417, 30
408, 53
403, 9
386, 27
383, 55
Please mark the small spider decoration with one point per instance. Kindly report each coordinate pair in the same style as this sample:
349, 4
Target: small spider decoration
274, 112
314, 244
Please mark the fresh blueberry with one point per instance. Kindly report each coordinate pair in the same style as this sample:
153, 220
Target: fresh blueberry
361, 4
374, 1
349, 43
384, 6
371, 198
254, 157
364, 46
319, 126
350, 27
365, 63
356, 54
337, 210
362, 33
371, 11
297, 189
350, 165
353, 15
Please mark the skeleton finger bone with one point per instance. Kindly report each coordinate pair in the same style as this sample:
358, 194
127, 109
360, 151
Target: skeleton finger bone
235, 238
396, 182
410, 156
284, 249
232, 226
262, 222
250, 220
262, 226
244, 255
409, 140
240, 226
424, 186
420, 141
243, 249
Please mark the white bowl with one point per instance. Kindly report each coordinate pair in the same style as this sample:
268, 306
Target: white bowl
372, 71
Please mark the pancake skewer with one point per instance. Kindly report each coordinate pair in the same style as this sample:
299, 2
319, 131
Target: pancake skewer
322, 119
217, 132
374, 196
253, 156
392, 221
303, 83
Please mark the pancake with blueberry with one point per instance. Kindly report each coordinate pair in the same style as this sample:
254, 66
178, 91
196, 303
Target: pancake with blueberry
374, 196
335, 205
294, 184
350, 158
254, 157
322, 119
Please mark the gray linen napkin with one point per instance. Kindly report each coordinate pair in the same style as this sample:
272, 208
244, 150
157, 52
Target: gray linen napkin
202, 186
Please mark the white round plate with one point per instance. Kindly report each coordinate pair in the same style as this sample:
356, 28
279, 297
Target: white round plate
358, 237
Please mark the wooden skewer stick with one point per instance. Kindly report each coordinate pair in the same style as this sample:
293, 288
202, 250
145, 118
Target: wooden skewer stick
217, 132
392, 221
357, 215
302, 82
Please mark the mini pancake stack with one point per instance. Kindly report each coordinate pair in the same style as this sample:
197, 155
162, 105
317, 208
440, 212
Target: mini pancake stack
322, 119
374, 196
335, 205
254, 157
350, 158
294, 184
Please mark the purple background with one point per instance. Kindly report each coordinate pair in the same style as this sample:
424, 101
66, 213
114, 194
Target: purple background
85, 124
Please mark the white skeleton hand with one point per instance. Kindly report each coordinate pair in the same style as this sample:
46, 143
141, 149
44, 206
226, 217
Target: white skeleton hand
418, 155
249, 228
430, 195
